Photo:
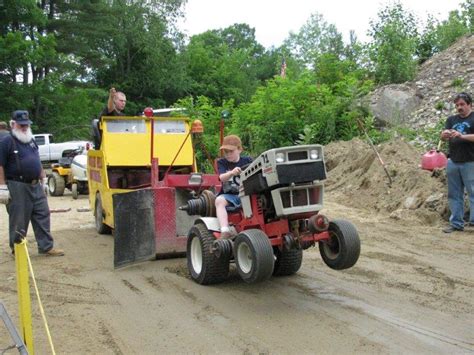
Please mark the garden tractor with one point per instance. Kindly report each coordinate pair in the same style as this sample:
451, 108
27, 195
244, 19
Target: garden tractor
70, 172
281, 193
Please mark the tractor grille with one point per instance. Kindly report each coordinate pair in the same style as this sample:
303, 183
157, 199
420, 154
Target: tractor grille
299, 173
301, 197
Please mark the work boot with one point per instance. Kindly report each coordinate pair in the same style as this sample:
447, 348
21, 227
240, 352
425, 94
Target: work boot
53, 252
450, 229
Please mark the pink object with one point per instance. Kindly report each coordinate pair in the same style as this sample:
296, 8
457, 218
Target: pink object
433, 159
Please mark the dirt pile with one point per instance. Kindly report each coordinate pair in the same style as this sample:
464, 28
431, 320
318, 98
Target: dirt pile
356, 178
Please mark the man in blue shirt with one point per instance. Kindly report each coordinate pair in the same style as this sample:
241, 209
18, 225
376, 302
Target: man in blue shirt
21, 185
459, 132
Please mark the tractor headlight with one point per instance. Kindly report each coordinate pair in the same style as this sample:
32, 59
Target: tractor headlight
313, 154
280, 157
195, 179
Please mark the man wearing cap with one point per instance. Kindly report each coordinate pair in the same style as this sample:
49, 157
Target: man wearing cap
3, 130
229, 169
21, 185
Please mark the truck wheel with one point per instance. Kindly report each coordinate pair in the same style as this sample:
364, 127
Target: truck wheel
253, 255
287, 262
342, 250
75, 193
100, 226
204, 267
56, 184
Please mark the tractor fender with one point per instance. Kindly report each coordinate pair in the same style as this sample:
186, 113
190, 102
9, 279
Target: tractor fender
211, 223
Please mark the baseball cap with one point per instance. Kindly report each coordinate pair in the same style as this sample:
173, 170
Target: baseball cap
231, 142
21, 117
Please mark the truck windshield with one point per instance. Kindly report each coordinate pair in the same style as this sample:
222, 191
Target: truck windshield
169, 127
129, 126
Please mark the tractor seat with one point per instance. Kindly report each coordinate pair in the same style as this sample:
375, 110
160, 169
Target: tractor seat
231, 209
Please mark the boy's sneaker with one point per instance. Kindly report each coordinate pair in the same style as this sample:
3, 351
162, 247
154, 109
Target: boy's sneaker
228, 233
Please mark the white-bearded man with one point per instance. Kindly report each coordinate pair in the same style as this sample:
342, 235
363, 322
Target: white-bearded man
21, 185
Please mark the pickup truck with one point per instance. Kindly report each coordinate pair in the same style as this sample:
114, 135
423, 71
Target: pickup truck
51, 152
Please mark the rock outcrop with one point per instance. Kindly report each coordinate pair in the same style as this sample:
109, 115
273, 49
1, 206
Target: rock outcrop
426, 100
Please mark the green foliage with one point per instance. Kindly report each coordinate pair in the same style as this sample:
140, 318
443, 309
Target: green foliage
458, 83
439, 105
438, 36
316, 37
431, 135
227, 64
288, 111
393, 46
210, 115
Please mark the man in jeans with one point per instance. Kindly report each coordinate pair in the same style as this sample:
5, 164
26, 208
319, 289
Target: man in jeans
459, 132
21, 185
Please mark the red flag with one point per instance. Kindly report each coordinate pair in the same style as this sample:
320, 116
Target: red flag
283, 68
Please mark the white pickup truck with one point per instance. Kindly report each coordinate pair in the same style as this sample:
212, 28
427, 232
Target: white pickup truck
51, 152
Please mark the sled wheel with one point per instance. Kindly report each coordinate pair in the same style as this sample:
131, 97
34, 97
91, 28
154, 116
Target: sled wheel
253, 255
287, 262
100, 226
342, 250
56, 184
75, 192
204, 266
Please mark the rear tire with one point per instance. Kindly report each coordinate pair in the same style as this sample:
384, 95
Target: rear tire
287, 262
56, 184
74, 191
253, 254
205, 268
342, 250
100, 226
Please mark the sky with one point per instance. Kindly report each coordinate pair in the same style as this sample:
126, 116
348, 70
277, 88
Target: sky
274, 19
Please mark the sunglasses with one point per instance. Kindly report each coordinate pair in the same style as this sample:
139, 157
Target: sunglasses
464, 96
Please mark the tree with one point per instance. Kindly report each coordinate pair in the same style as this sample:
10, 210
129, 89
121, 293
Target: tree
315, 37
392, 50
227, 64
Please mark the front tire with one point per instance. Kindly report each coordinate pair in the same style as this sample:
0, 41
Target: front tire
100, 226
56, 184
74, 191
204, 267
342, 250
253, 255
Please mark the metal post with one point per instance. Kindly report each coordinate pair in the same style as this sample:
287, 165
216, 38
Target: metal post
23, 287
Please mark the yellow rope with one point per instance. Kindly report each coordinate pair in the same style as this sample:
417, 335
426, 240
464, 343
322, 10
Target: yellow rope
39, 302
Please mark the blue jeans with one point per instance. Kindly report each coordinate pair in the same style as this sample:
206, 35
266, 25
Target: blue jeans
460, 177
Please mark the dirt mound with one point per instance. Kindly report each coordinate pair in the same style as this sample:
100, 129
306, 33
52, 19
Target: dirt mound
356, 178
